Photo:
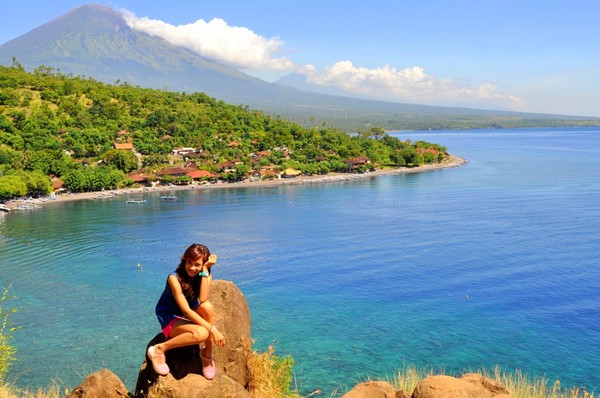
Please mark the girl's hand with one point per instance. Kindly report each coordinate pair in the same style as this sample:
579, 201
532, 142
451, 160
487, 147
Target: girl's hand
212, 260
218, 338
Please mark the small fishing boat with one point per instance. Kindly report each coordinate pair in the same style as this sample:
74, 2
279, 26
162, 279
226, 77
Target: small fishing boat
136, 201
168, 197
3, 207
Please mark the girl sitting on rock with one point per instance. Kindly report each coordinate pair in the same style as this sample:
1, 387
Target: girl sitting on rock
184, 312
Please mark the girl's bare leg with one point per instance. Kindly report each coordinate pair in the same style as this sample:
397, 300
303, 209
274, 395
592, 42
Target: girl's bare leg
207, 311
184, 333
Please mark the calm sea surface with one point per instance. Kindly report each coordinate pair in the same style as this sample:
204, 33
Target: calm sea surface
492, 263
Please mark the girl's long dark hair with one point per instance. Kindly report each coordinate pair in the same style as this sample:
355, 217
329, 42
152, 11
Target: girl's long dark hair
191, 286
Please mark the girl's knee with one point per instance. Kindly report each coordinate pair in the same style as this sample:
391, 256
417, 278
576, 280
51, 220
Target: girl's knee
200, 334
206, 308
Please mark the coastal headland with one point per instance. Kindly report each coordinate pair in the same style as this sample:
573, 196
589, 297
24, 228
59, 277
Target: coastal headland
451, 161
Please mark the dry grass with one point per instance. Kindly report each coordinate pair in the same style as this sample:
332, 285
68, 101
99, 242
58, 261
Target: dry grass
517, 383
521, 385
54, 391
270, 375
407, 378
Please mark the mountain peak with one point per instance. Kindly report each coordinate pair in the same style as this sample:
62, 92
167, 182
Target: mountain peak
93, 9
94, 40
89, 18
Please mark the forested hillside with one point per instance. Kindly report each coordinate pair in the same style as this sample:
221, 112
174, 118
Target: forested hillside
71, 127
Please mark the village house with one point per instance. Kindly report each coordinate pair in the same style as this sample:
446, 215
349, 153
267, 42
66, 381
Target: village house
57, 184
269, 172
124, 146
357, 162
175, 172
203, 175
431, 150
182, 151
139, 177
227, 167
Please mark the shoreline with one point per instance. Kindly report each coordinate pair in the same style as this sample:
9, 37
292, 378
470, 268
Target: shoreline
26, 204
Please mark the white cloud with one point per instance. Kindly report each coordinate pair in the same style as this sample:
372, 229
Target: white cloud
232, 45
410, 85
243, 49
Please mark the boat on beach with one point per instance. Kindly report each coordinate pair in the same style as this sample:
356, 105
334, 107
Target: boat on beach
26, 207
3, 207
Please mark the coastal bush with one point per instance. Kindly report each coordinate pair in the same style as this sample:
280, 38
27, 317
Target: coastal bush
7, 351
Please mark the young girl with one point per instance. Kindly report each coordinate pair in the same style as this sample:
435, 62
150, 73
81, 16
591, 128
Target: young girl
185, 315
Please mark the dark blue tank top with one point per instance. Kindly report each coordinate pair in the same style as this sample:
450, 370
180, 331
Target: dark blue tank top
167, 308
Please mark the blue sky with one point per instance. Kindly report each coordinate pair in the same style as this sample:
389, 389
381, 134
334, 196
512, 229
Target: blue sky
526, 55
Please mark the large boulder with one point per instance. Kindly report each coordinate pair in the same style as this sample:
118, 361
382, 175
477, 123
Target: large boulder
497, 389
372, 389
100, 384
470, 385
195, 386
232, 318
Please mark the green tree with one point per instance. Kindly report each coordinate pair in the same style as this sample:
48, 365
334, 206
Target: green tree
75, 180
11, 186
410, 155
37, 183
8, 156
397, 159
125, 161
376, 133
155, 160
429, 158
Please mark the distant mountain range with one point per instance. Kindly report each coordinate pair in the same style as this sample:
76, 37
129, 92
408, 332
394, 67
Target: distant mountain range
95, 41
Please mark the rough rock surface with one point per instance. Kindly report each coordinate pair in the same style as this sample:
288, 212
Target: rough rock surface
468, 386
100, 384
196, 386
372, 389
493, 386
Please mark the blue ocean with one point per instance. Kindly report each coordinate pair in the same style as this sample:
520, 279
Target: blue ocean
492, 263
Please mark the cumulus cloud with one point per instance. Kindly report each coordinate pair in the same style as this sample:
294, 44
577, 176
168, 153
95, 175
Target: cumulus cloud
409, 84
243, 49
232, 45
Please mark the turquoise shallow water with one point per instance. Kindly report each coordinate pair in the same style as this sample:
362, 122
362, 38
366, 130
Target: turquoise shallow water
492, 263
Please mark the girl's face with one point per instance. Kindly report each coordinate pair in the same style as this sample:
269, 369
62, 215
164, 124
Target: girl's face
193, 267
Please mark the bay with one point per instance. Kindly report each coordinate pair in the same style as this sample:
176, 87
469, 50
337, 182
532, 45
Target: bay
491, 263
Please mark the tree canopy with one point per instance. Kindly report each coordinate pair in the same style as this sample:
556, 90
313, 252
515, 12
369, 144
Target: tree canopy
71, 127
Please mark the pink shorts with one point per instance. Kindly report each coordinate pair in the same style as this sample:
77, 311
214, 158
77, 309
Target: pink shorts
167, 329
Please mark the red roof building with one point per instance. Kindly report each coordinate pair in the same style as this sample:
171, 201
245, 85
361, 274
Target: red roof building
200, 174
